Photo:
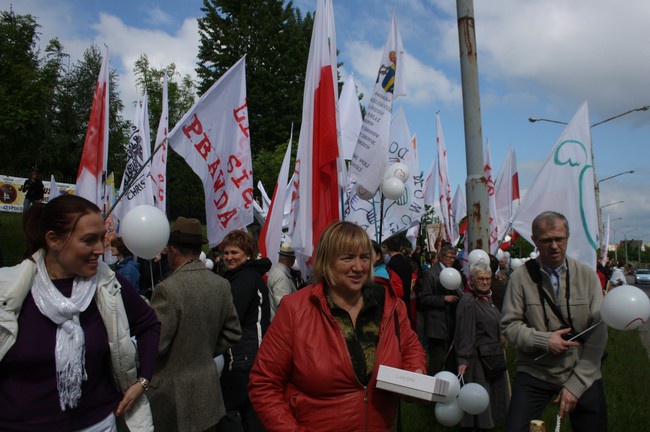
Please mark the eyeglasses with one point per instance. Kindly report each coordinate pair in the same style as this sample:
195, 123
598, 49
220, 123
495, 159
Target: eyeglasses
483, 279
449, 257
549, 241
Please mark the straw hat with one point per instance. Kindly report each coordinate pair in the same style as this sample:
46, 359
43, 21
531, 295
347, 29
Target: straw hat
286, 250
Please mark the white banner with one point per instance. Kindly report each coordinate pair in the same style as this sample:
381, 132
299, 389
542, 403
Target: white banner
213, 138
368, 163
12, 197
565, 184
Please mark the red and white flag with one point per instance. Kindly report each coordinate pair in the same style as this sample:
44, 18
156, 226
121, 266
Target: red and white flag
487, 172
213, 137
565, 184
271, 233
444, 196
92, 169
506, 191
369, 161
159, 161
316, 202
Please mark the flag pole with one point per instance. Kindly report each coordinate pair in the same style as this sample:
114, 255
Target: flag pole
134, 179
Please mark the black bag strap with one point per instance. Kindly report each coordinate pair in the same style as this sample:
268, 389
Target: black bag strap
536, 276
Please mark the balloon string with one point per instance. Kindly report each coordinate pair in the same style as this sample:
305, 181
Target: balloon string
558, 421
461, 379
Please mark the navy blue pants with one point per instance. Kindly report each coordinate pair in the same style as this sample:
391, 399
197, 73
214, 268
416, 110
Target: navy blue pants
531, 395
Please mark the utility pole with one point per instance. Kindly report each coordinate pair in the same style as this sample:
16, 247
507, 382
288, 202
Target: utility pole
478, 213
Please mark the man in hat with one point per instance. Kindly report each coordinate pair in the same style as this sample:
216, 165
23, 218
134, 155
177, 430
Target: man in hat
280, 279
198, 322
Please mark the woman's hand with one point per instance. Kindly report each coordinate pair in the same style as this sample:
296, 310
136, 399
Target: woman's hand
131, 395
462, 369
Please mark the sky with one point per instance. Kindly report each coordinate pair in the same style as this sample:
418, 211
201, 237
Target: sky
538, 58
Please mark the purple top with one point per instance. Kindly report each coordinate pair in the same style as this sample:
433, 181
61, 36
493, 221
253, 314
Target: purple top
29, 399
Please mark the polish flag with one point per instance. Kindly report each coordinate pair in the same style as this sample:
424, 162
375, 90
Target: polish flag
271, 233
315, 194
92, 169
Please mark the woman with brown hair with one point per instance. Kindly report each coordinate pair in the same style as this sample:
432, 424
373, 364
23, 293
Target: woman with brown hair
251, 297
66, 323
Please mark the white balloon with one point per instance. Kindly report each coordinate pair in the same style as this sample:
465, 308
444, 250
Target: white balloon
209, 264
364, 193
202, 257
473, 398
145, 231
220, 361
450, 278
399, 171
449, 413
506, 254
392, 188
625, 308
515, 262
454, 384
478, 255
500, 254
533, 254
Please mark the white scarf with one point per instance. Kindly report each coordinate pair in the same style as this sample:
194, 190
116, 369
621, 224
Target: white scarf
70, 350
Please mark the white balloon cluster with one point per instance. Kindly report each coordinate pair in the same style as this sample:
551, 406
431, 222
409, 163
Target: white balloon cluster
392, 187
209, 264
478, 255
472, 399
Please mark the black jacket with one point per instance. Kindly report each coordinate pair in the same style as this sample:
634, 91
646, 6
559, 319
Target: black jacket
251, 297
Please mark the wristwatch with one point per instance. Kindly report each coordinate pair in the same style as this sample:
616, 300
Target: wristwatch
144, 383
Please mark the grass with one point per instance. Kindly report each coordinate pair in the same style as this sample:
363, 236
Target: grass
626, 374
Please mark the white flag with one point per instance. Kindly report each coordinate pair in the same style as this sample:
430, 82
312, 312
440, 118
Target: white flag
444, 196
55, 192
404, 212
605, 244
368, 163
487, 172
565, 184
430, 185
214, 140
159, 161
351, 119
136, 187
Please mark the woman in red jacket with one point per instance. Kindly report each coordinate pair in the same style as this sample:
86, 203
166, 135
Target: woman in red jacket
317, 367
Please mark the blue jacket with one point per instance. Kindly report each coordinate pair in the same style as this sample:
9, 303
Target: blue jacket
130, 270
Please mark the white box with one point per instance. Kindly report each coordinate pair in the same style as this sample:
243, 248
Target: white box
412, 384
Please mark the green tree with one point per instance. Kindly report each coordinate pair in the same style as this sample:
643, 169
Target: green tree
72, 106
184, 190
275, 38
22, 97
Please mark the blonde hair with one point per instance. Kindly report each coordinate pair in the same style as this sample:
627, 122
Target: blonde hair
338, 238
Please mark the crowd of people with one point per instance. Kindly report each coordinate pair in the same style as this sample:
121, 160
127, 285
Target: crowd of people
296, 355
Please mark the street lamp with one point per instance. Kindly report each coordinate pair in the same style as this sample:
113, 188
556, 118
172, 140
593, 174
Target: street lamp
615, 175
626, 233
593, 160
611, 204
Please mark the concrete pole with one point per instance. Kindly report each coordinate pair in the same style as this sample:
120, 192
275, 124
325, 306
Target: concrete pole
478, 212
